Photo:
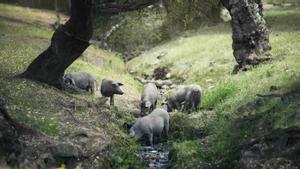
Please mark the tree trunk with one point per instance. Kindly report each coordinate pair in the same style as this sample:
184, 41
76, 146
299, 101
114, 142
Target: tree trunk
68, 42
10, 146
249, 32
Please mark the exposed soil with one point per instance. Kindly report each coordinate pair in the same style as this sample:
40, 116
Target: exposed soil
85, 147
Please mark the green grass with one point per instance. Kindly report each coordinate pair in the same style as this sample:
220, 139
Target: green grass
180, 130
22, 16
26, 102
39, 105
46, 108
219, 94
205, 57
179, 155
24, 31
190, 56
122, 151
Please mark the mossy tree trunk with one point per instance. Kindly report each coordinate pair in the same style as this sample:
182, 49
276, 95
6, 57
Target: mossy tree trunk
68, 42
249, 32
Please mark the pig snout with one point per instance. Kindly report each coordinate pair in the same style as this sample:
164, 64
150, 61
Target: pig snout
118, 91
69, 81
144, 110
131, 133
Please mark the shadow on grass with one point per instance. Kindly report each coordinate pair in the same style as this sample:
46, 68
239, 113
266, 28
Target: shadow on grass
228, 133
285, 20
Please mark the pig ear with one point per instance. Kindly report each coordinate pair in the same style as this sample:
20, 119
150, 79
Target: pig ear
117, 84
73, 81
147, 104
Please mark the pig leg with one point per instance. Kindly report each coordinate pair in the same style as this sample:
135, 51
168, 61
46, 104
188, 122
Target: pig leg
158, 138
150, 136
112, 100
196, 105
189, 106
166, 130
89, 89
154, 106
94, 87
184, 106
178, 106
151, 108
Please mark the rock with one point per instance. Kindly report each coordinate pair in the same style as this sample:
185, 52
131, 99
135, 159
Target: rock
82, 132
162, 54
155, 157
211, 63
141, 80
131, 71
161, 73
165, 87
151, 165
160, 83
64, 150
287, 4
168, 76
148, 148
173, 86
209, 81
279, 149
211, 87
153, 151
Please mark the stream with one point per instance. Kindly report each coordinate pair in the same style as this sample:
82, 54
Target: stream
155, 157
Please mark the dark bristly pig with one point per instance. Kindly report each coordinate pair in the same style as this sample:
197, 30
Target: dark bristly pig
186, 98
152, 126
177, 98
81, 80
193, 99
149, 98
109, 88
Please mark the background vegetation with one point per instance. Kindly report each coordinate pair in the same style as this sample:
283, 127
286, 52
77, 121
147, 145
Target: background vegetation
231, 112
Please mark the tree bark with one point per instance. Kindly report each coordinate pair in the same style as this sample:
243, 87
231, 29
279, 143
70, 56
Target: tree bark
10, 146
249, 32
68, 42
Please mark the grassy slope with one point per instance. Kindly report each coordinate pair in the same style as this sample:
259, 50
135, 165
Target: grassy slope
25, 33
207, 54
196, 57
21, 43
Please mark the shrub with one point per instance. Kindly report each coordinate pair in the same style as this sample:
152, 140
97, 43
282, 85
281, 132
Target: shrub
185, 15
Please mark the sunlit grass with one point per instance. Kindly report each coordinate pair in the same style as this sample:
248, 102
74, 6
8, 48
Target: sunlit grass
205, 57
40, 105
18, 15
25, 31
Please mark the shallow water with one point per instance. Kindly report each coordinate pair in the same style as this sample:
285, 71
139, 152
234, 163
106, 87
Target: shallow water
155, 157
